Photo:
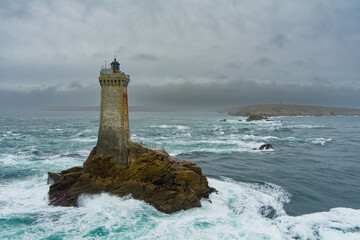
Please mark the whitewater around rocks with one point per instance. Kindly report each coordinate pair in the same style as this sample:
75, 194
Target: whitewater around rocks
305, 188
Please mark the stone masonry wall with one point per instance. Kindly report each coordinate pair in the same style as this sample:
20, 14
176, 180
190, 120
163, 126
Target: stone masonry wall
112, 132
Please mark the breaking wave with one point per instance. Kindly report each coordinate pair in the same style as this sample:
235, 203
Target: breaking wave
238, 210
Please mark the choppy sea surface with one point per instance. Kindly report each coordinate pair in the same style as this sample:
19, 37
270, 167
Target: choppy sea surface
308, 187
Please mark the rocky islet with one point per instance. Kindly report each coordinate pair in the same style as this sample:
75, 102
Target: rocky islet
152, 175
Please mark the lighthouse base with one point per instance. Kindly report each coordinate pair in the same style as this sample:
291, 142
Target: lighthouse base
113, 144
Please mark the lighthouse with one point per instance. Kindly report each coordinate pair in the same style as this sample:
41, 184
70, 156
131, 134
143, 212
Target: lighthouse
114, 131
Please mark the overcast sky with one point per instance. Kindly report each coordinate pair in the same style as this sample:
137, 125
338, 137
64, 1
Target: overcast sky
224, 53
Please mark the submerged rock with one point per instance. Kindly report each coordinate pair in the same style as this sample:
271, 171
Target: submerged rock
152, 175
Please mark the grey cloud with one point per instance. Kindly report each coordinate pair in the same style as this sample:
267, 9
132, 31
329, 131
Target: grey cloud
279, 71
280, 40
50, 96
321, 80
263, 62
240, 93
66, 41
145, 57
180, 77
298, 63
232, 65
61, 57
75, 85
221, 77
17, 8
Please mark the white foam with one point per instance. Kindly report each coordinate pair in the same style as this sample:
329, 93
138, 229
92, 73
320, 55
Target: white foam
303, 126
85, 139
24, 196
186, 135
238, 211
7, 160
239, 146
319, 141
50, 162
338, 223
174, 153
178, 127
89, 131
252, 137
164, 126
11, 160
219, 144
56, 129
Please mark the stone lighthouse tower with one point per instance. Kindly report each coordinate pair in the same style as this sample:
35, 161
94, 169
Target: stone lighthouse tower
114, 119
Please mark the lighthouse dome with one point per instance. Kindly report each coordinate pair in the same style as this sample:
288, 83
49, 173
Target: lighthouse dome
115, 65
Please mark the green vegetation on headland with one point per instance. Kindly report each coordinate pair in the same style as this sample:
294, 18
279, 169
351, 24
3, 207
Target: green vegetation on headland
293, 110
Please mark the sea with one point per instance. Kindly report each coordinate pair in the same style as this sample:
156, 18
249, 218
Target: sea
307, 187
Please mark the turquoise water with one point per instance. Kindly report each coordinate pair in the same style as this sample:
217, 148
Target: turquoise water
306, 188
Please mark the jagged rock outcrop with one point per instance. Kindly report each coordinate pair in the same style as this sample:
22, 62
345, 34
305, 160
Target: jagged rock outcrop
53, 177
266, 146
152, 175
256, 117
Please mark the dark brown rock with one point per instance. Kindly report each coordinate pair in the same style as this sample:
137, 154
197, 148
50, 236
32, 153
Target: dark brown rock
53, 177
266, 146
152, 175
255, 117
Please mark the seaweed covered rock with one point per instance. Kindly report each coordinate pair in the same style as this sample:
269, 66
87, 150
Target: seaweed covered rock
152, 175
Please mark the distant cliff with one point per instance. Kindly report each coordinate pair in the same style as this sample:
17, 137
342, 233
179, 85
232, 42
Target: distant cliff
293, 110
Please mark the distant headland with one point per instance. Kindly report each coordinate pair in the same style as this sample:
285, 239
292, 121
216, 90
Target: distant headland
272, 110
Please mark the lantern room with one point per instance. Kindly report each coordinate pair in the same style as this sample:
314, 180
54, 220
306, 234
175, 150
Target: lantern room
115, 65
